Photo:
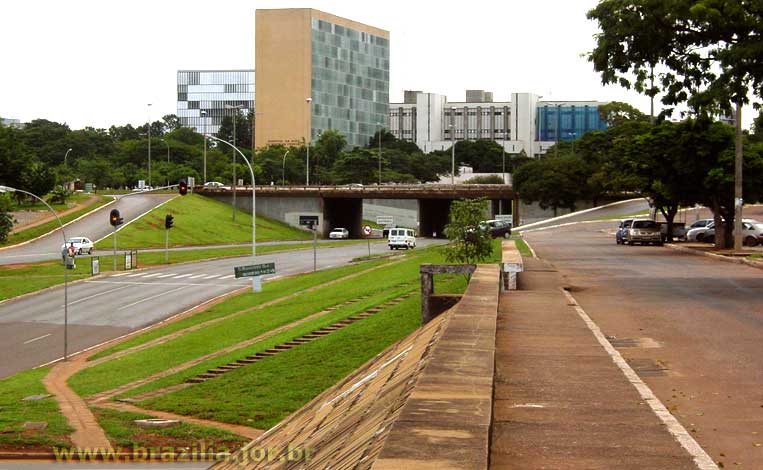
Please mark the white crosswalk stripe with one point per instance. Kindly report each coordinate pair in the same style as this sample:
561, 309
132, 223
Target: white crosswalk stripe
153, 275
120, 274
212, 276
227, 277
181, 276
166, 275
197, 276
137, 275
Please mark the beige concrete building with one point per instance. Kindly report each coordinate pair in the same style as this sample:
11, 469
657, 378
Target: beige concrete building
317, 71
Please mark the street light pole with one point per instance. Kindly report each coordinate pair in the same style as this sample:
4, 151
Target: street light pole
235, 118
149, 145
254, 201
453, 147
168, 160
379, 137
283, 169
204, 124
66, 155
309, 139
8, 189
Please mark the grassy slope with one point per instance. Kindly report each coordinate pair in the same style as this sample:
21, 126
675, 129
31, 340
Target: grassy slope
34, 232
234, 330
199, 221
270, 390
14, 412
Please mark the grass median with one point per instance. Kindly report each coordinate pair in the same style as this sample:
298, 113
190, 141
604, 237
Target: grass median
199, 220
234, 330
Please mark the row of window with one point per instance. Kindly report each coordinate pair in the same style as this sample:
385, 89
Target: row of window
215, 77
344, 31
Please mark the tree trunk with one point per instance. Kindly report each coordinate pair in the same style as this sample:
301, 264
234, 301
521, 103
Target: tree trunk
720, 239
670, 215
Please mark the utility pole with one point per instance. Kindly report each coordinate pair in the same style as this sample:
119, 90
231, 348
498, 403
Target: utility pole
149, 145
204, 123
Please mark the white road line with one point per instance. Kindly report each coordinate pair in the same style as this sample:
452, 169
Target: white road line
213, 276
138, 283
96, 295
152, 275
151, 298
35, 339
229, 276
166, 275
120, 274
701, 459
137, 275
182, 276
197, 276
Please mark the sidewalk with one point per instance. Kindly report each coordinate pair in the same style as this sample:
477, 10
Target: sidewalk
560, 400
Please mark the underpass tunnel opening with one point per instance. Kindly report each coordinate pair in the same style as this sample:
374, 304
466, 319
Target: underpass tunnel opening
433, 217
501, 207
344, 213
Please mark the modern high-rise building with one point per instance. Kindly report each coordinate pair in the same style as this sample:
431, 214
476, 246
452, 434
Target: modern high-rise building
317, 71
522, 124
205, 97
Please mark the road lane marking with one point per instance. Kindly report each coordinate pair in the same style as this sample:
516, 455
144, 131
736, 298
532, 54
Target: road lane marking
152, 297
229, 276
120, 274
676, 429
95, 295
165, 275
136, 275
138, 283
182, 276
213, 276
197, 276
152, 275
35, 339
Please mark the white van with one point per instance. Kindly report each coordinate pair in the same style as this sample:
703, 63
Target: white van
401, 238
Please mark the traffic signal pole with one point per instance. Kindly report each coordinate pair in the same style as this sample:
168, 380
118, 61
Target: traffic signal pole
115, 248
166, 246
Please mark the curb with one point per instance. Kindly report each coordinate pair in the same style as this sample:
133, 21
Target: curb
86, 214
727, 259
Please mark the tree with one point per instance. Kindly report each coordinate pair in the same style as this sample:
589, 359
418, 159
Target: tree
6, 219
328, 147
171, 122
359, 165
488, 179
552, 181
616, 113
470, 242
709, 49
38, 179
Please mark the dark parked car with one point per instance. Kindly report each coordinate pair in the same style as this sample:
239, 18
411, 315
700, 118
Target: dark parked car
497, 228
625, 224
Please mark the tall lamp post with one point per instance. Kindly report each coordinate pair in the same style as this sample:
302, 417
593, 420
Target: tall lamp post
149, 145
379, 136
256, 279
453, 147
309, 139
283, 169
204, 124
8, 189
66, 155
573, 134
235, 118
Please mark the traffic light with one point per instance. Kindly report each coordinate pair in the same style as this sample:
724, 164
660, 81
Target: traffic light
114, 218
183, 187
168, 220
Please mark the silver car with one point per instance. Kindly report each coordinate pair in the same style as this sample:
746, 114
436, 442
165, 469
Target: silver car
644, 231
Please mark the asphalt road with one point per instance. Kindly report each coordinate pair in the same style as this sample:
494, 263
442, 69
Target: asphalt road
112, 305
690, 326
94, 227
614, 210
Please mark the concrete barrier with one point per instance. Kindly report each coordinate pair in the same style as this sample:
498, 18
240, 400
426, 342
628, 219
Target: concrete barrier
511, 264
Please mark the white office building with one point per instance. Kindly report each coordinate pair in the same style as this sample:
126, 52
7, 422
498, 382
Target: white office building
205, 97
522, 124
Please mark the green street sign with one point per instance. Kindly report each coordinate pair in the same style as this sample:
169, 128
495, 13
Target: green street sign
254, 270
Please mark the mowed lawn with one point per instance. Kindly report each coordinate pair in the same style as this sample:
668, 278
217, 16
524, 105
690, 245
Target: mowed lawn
199, 221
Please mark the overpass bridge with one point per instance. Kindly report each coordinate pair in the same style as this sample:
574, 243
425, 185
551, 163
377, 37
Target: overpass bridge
342, 206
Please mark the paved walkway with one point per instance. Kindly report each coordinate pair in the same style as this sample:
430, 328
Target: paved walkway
560, 400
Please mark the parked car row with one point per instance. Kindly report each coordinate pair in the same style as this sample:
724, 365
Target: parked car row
643, 231
703, 231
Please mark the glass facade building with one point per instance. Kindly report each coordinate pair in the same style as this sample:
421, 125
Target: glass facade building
211, 91
566, 122
350, 81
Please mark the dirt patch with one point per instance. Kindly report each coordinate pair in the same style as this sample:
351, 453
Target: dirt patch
10, 267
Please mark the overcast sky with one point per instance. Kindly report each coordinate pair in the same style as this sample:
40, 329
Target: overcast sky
96, 63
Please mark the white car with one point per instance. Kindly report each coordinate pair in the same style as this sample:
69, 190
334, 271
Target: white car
752, 230
215, 185
698, 234
339, 233
81, 245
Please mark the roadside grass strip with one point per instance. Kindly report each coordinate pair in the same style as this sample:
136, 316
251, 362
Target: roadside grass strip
200, 220
524, 250
275, 291
268, 343
15, 411
236, 329
19, 279
123, 433
262, 394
